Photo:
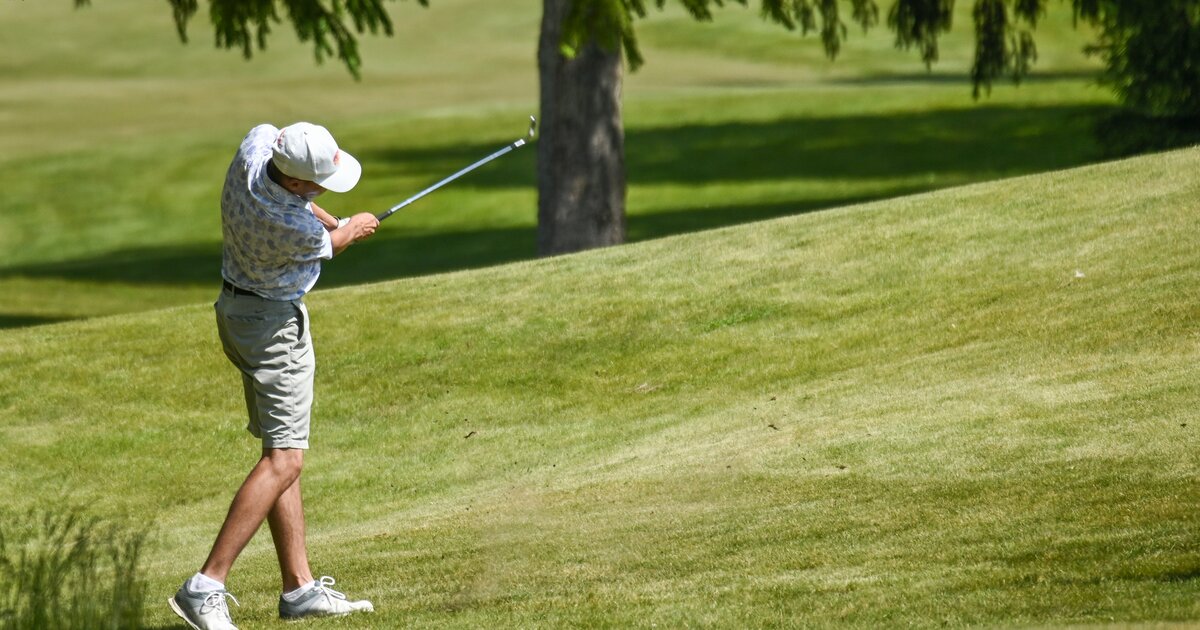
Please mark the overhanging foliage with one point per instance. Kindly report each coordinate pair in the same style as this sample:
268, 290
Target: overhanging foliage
1150, 51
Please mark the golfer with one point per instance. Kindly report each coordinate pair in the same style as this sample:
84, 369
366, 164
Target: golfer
275, 238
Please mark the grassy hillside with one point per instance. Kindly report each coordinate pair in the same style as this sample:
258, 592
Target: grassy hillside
968, 407
118, 136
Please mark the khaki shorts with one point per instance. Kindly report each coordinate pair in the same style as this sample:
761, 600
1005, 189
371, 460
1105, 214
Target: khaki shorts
269, 342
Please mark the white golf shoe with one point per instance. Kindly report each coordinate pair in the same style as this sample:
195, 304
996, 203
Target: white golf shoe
203, 610
318, 600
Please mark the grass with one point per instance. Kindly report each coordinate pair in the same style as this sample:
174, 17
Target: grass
111, 208
878, 356
967, 407
64, 569
149, 236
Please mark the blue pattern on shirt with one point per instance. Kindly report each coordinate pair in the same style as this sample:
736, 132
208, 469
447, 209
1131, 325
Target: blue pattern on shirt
273, 244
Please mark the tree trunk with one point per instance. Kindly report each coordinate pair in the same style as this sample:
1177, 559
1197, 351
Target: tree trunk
581, 150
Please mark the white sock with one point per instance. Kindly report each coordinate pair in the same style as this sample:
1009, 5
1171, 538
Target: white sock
292, 596
201, 583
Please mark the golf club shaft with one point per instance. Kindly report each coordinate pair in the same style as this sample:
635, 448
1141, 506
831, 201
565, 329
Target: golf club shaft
514, 145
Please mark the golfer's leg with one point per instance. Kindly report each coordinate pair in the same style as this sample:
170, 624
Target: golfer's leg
286, 519
275, 472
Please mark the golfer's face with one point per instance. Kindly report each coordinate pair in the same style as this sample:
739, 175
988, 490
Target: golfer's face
308, 190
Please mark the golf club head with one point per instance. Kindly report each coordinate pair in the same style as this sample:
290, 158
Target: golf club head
532, 127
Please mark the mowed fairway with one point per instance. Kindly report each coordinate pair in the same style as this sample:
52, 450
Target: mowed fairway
117, 137
879, 355
969, 407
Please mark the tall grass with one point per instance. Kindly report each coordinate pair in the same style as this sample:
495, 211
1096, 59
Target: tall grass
66, 569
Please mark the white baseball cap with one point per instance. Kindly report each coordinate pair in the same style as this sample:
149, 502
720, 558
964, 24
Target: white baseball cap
309, 152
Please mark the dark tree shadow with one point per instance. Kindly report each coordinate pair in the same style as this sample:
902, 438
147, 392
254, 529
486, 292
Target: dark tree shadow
958, 78
917, 150
22, 321
976, 143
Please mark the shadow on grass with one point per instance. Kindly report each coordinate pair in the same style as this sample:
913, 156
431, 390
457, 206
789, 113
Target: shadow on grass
386, 256
1182, 575
22, 321
652, 226
978, 143
959, 78
974, 144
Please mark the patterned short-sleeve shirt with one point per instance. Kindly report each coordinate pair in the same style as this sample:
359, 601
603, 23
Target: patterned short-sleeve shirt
273, 244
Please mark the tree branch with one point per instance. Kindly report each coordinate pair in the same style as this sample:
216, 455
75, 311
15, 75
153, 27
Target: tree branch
246, 24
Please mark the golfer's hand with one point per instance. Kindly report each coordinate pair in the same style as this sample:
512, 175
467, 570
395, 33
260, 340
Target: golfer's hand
362, 225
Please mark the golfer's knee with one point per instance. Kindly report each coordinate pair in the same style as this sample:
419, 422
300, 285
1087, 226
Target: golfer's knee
285, 463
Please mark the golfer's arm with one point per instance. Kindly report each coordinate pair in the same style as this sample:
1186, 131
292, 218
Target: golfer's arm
341, 238
328, 220
357, 227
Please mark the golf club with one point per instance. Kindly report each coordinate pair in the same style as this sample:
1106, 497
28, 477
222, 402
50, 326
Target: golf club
520, 142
